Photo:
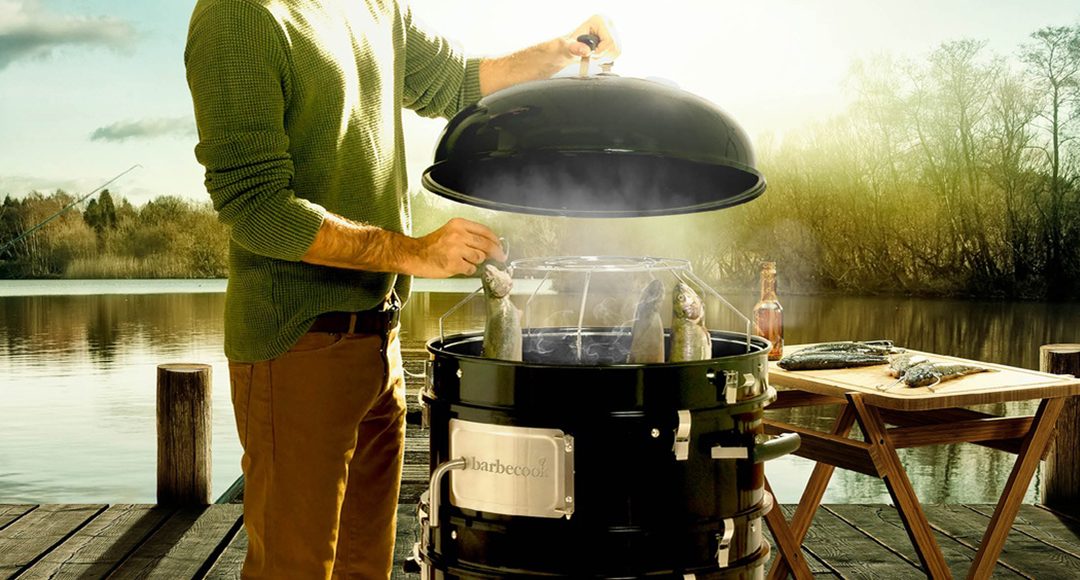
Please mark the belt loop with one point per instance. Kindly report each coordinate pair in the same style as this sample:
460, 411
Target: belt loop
352, 323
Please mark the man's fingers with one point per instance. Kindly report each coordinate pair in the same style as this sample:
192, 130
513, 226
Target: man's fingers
580, 49
489, 248
480, 230
479, 240
474, 257
602, 26
467, 268
485, 240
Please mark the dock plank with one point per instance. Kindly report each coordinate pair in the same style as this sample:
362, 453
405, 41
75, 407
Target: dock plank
410, 492
228, 565
849, 552
186, 544
845, 541
412, 473
817, 567
408, 533
1047, 526
1021, 552
10, 513
30, 537
101, 544
882, 523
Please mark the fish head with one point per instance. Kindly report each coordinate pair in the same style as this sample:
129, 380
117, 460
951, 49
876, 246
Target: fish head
652, 294
687, 304
497, 283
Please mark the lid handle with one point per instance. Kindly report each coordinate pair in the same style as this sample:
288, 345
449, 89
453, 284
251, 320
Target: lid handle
592, 41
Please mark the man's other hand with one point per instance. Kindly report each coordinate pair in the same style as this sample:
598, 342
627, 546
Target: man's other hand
458, 247
607, 49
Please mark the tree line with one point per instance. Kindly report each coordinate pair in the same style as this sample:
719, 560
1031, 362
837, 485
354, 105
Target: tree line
954, 174
957, 174
167, 237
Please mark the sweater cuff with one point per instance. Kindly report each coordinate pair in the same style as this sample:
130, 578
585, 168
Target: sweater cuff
285, 231
470, 85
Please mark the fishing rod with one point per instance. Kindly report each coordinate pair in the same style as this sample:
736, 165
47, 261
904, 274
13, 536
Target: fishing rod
65, 208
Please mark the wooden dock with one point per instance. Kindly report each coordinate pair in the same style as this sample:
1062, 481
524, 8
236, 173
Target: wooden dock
145, 541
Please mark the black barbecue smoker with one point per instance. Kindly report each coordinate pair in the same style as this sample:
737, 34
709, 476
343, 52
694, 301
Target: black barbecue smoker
573, 463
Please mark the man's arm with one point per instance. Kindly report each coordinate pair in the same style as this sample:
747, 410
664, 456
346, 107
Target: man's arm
456, 248
547, 58
237, 72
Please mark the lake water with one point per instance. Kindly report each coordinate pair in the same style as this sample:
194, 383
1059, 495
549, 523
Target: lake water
78, 369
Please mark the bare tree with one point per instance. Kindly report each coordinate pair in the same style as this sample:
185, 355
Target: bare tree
1053, 59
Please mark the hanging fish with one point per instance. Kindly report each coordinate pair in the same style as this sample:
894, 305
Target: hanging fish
690, 339
502, 330
647, 335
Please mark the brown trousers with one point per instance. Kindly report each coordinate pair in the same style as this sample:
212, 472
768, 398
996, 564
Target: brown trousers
323, 431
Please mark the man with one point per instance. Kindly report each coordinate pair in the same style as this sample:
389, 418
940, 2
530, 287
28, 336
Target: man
298, 105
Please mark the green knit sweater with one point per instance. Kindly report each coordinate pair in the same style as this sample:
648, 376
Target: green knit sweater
298, 106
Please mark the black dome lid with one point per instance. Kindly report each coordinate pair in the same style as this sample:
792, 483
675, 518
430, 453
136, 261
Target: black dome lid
599, 146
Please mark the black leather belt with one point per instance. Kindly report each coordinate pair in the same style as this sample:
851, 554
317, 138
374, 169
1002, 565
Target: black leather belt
363, 322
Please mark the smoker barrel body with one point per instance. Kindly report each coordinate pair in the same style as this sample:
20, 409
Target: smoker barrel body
664, 476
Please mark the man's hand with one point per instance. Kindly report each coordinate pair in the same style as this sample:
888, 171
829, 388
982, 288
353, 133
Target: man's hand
598, 25
547, 58
458, 247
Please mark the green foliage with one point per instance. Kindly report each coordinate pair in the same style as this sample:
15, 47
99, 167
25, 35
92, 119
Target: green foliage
101, 215
166, 238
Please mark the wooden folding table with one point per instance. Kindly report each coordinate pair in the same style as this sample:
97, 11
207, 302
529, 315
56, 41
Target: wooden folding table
919, 416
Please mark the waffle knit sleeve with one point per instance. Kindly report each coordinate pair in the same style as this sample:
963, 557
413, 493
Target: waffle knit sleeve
439, 80
238, 74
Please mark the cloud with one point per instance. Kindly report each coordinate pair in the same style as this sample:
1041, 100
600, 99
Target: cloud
144, 129
28, 31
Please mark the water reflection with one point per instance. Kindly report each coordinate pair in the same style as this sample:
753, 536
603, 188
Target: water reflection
77, 381
77, 378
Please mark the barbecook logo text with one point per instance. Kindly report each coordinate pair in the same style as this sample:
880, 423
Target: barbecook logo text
497, 467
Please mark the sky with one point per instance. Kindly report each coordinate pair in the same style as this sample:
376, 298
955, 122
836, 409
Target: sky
89, 88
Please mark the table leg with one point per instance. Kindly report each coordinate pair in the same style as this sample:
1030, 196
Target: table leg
1031, 452
896, 480
811, 497
788, 548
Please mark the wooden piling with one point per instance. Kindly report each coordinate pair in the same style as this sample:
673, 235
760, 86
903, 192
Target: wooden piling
184, 421
1061, 473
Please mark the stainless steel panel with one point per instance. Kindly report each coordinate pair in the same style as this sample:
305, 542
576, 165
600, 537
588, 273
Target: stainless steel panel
512, 470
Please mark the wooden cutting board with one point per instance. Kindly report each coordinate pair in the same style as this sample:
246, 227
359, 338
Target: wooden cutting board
1001, 384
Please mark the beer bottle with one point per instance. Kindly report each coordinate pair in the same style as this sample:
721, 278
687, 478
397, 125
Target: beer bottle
768, 315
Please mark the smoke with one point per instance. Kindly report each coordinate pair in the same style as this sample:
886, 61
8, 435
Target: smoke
608, 185
607, 323
610, 311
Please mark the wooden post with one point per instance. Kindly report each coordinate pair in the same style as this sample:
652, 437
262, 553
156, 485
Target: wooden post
1061, 473
184, 420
